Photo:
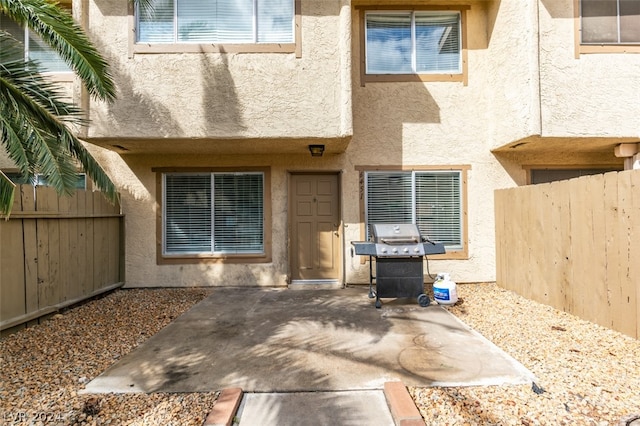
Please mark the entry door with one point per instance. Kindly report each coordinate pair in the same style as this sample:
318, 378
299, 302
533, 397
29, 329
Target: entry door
315, 225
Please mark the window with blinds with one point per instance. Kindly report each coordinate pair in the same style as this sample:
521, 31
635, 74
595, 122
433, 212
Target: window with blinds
216, 21
213, 213
610, 22
34, 48
430, 199
413, 42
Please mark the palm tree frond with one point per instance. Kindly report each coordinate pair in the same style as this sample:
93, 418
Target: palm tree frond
7, 193
56, 27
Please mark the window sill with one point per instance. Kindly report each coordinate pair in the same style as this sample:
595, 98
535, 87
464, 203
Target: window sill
148, 48
209, 259
608, 48
452, 255
389, 78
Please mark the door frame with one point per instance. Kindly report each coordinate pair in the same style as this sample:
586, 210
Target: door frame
340, 279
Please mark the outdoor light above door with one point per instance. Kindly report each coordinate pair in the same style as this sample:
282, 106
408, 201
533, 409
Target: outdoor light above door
316, 150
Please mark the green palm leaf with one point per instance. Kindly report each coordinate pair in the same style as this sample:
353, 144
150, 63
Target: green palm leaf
34, 126
57, 28
7, 191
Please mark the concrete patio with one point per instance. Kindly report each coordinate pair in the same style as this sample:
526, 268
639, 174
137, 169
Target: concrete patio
279, 340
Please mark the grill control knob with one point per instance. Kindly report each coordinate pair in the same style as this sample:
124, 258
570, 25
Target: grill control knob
406, 250
383, 250
395, 250
416, 249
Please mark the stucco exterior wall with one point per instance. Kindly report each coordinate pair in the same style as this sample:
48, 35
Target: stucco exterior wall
588, 95
138, 191
235, 95
520, 83
438, 124
394, 124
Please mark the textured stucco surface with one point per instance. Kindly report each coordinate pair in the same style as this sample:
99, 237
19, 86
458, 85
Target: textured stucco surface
234, 95
592, 95
523, 86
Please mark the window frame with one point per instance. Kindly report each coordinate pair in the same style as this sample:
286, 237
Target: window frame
136, 47
452, 253
59, 75
424, 77
190, 258
590, 48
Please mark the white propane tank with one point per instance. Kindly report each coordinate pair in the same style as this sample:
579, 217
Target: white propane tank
444, 290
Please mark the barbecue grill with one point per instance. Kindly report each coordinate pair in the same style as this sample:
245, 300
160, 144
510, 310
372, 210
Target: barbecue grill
398, 250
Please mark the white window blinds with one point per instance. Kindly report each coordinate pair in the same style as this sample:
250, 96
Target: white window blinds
439, 206
238, 213
217, 21
213, 213
430, 199
413, 43
187, 213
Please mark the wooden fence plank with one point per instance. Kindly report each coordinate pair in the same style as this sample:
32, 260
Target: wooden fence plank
12, 288
48, 247
100, 251
562, 218
81, 259
89, 237
616, 248
634, 249
599, 309
498, 202
537, 233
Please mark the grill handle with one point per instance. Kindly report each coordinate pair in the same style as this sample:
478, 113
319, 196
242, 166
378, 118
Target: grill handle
399, 240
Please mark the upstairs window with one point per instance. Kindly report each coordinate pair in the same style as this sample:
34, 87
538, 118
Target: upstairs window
34, 48
413, 43
217, 21
610, 22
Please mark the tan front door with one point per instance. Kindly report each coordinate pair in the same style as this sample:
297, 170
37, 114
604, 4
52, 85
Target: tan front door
315, 227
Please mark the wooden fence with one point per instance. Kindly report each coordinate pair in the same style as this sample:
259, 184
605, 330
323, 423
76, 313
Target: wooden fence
57, 251
574, 245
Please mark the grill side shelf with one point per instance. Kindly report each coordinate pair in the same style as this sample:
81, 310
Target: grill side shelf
433, 248
364, 248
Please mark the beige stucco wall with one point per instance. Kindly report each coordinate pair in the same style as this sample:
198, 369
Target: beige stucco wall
451, 124
589, 95
235, 95
394, 124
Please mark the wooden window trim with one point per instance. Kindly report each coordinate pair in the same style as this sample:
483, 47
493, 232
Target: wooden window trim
388, 78
162, 48
461, 254
586, 49
162, 259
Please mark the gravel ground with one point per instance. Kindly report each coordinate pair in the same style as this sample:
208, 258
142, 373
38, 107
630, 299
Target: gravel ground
43, 367
586, 374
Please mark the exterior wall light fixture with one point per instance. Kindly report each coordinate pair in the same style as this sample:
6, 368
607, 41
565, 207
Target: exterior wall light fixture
316, 150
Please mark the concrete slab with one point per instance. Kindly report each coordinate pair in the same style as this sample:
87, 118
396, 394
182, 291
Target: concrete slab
367, 407
279, 340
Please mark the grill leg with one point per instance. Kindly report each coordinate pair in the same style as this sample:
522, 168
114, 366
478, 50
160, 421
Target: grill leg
371, 293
